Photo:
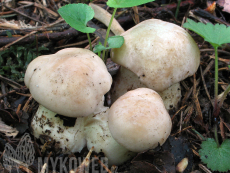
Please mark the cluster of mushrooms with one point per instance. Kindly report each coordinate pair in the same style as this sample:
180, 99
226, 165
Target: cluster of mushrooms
154, 58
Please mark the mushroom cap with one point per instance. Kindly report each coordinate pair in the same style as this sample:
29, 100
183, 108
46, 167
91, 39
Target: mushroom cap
97, 134
71, 82
159, 53
125, 80
139, 121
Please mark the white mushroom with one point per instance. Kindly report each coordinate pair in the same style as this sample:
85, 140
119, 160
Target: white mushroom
159, 53
104, 16
98, 135
139, 121
125, 80
70, 139
71, 82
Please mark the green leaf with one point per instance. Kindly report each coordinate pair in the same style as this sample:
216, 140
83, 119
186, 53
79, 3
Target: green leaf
126, 3
77, 16
99, 48
8, 33
216, 158
114, 42
216, 35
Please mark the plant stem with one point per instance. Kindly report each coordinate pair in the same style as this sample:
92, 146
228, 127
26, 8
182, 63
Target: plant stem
216, 72
216, 109
216, 106
177, 8
216, 135
107, 33
90, 44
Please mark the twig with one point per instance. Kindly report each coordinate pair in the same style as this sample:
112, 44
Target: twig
222, 130
94, 41
31, 33
13, 91
73, 44
85, 163
25, 108
16, 11
182, 130
114, 168
44, 168
181, 117
195, 152
189, 113
205, 87
40, 10
212, 50
70, 33
177, 112
4, 92
8, 81
25, 169
18, 110
136, 15
204, 168
188, 131
195, 97
103, 165
198, 81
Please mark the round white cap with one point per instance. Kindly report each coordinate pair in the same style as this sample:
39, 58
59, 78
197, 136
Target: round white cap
98, 136
139, 121
71, 82
159, 53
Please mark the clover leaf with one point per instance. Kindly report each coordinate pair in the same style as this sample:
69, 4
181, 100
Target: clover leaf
77, 16
114, 42
216, 158
216, 35
126, 3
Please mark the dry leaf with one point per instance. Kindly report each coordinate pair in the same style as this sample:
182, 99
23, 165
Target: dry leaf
211, 8
8, 130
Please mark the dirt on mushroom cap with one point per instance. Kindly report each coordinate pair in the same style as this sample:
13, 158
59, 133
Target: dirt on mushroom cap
139, 121
71, 82
159, 53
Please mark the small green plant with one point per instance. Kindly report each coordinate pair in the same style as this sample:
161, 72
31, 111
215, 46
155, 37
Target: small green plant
177, 8
114, 42
212, 153
216, 157
77, 16
14, 61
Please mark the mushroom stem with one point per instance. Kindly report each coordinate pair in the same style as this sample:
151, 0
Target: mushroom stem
90, 131
98, 136
125, 80
104, 17
70, 139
